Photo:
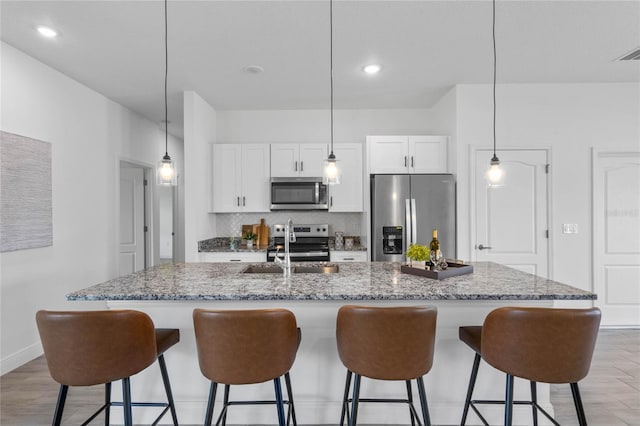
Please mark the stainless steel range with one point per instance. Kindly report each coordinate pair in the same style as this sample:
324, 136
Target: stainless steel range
309, 243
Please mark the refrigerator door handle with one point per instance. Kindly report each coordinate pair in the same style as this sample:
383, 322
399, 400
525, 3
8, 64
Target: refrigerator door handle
407, 224
414, 224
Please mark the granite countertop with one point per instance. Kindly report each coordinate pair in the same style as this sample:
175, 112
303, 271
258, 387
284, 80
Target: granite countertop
354, 281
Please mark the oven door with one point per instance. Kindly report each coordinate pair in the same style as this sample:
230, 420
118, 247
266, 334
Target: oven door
298, 194
301, 256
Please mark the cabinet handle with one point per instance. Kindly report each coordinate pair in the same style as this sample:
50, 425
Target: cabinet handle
405, 161
302, 166
331, 201
348, 258
238, 201
412, 161
295, 167
234, 260
243, 201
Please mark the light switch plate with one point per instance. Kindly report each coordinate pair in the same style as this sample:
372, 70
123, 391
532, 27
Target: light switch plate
569, 228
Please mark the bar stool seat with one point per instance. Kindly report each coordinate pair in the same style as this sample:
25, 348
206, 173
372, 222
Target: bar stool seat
85, 348
386, 343
545, 345
247, 347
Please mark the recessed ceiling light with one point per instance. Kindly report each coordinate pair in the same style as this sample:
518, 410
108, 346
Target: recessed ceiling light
253, 69
47, 32
372, 69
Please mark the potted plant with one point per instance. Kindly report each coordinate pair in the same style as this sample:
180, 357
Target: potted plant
418, 255
250, 237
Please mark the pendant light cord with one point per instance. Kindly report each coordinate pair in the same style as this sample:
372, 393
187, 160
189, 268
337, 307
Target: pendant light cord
331, 67
166, 72
495, 157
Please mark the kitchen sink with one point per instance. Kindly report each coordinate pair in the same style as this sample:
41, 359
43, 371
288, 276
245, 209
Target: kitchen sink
301, 269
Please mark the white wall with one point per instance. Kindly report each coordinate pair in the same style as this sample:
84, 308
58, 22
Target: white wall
570, 119
89, 135
200, 123
313, 126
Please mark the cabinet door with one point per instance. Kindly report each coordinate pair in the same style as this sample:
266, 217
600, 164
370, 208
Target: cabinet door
257, 256
312, 158
227, 163
255, 178
285, 159
388, 154
347, 196
348, 256
428, 154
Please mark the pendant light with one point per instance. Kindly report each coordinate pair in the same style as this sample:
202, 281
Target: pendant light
495, 174
166, 170
331, 173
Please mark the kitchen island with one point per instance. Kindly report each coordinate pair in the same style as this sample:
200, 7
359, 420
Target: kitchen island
170, 292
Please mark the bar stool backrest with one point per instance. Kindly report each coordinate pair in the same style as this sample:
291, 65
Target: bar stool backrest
85, 348
245, 346
541, 344
387, 343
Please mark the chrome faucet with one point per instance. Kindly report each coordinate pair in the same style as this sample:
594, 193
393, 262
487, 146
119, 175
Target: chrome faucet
289, 237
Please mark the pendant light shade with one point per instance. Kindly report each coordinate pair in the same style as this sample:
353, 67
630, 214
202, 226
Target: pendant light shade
166, 171
495, 174
331, 173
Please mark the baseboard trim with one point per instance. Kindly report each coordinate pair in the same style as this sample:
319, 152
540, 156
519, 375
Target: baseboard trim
20, 357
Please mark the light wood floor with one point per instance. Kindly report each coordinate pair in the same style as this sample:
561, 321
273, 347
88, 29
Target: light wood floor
611, 392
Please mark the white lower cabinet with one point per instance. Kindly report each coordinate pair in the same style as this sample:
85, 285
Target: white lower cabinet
258, 256
348, 256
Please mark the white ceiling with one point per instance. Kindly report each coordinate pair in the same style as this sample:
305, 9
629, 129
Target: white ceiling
425, 48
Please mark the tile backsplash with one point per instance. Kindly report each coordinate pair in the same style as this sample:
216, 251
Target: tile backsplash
230, 224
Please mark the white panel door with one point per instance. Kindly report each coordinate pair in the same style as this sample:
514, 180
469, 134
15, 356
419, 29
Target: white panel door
616, 266
285, 159
388, 154
256, 196
511, 221
132, 256
312, 156
227, 175
428, 154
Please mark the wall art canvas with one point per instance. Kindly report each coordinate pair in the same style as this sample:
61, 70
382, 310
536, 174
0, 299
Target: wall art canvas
25, 193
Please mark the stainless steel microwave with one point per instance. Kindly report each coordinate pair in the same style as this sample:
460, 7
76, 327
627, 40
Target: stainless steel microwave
298, 194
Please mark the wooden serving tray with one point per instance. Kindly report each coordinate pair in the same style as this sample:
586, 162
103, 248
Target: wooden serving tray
453, 270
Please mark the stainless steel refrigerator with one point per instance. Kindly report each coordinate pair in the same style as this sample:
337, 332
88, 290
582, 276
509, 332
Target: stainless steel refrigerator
406, 208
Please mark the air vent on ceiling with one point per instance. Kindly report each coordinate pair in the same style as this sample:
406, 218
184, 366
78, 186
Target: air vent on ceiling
634, 55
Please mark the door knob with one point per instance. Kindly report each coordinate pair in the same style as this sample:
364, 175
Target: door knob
481, 247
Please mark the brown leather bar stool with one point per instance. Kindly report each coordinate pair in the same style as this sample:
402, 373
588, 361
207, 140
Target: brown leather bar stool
537, 344
85, 348
386, 343
247, 347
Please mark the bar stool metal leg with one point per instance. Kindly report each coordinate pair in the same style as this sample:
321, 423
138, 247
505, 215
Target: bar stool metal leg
291, 414
62, 397
126, 399
107, 403
167, 388
508, 402
534, 403
279, 401
472, 384
225, 405
577, 400
423, 402
345, 399
410, 399
212, 397
354, 401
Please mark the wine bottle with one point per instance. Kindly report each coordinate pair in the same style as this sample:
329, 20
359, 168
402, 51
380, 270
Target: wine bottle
434, 246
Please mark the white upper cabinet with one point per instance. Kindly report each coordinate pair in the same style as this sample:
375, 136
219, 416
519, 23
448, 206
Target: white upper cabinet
297, 160
347, 196
241, 178
407, 154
